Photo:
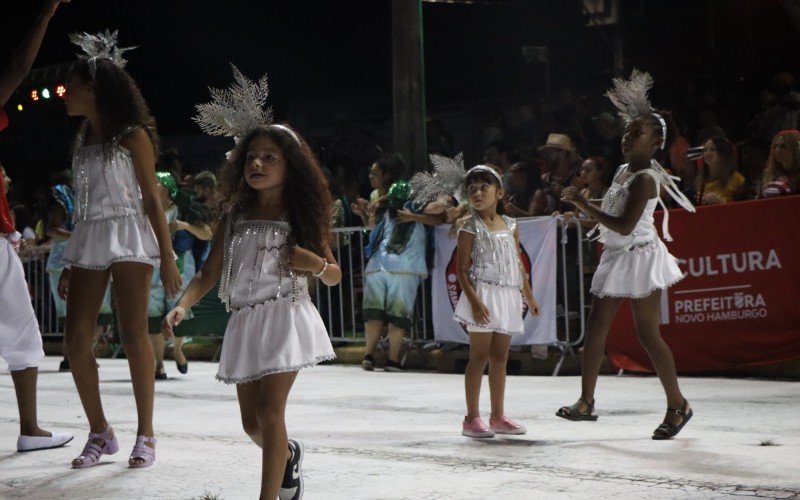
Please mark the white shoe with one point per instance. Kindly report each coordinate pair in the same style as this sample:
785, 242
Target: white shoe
33, 443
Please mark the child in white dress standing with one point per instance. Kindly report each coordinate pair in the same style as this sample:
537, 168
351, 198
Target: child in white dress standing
635, 263
276, 235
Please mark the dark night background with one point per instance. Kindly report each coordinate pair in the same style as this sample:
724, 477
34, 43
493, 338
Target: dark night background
329, 63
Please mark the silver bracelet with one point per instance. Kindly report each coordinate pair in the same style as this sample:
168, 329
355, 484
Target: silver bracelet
324, 268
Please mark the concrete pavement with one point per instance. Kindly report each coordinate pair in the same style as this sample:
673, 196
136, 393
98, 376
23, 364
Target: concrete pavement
397, 436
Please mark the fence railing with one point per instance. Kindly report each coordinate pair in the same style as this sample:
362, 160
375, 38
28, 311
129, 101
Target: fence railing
340, 306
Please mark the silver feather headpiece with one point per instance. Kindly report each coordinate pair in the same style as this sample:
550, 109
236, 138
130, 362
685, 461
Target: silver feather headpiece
237, 110
445, 180
103, 45
631, 100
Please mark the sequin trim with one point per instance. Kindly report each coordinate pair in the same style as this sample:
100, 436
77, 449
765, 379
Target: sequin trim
272, 371
484, 327
153, 261
643, 247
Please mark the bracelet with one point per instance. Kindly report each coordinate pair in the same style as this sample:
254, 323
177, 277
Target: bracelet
324, 268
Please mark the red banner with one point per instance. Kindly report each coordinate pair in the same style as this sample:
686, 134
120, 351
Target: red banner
738, 304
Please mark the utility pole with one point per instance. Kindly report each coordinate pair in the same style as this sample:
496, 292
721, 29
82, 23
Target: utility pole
408, 83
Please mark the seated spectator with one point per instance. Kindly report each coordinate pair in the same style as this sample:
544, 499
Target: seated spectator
563, 163
717, 180
783, 167
525, 196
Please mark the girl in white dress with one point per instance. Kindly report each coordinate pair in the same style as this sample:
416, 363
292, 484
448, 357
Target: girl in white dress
275, 236
120, 234
493, 286
635, 263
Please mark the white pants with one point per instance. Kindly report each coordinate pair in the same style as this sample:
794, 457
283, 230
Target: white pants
20, 340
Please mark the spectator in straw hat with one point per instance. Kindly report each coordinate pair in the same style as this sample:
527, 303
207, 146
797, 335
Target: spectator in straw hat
563, 163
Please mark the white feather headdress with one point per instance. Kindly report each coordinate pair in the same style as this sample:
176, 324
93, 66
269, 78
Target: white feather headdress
445, 180
237, 110
630, 96
103, 45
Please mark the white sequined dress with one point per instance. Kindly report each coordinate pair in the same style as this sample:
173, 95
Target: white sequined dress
110, 223
635, 265
497, 277
274, 327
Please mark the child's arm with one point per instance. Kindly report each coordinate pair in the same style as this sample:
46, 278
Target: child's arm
642, 189
307, 261
141, 149
480, 313
202, 282
201, 231
527, 293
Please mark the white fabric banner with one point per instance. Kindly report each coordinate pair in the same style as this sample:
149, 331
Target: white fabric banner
538, 238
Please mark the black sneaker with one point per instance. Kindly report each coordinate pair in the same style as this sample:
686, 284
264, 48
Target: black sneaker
393, 366
368, 363
64, 365
292, 485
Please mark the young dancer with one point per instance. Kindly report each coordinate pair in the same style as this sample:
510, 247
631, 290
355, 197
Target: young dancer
275, 236
120, 233
20, 340
635, 263
491, 277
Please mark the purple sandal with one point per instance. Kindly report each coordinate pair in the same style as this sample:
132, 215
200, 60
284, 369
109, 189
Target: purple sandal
143, 452
90, 456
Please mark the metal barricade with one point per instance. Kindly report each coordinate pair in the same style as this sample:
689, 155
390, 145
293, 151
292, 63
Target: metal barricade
571, 338
34, 263
340, 305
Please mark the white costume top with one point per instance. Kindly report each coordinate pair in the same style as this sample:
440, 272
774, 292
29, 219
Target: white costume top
496, 275
274, 327
635, 265
110, 223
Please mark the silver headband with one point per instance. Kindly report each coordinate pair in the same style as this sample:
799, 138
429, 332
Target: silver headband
288, 131
663, 129
484, 168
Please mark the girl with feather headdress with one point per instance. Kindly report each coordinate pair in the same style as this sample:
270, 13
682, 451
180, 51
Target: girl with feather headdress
120, 234
635, 263
492, 280
263, 251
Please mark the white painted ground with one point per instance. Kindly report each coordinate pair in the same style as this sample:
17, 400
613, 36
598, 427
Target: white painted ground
397, 436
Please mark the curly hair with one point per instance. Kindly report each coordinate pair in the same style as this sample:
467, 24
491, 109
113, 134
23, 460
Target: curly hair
306, 196
118, 99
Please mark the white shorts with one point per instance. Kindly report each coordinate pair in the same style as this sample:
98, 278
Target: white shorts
20, 340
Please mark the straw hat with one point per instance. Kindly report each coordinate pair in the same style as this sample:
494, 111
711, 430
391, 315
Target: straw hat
558, 141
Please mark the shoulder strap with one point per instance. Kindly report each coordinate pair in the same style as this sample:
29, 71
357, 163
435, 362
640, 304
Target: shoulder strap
125, 132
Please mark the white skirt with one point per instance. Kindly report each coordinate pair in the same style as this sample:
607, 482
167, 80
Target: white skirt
635, 273
96, 244
505, 310
273, 337
20, 340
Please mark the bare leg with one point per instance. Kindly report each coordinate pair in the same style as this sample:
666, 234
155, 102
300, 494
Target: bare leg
646, 313
132, 281
177, 350
87, 287
479, 348
600, 317
396, 336
158, 343
373, 330
498, 359
25, 387
270, 413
